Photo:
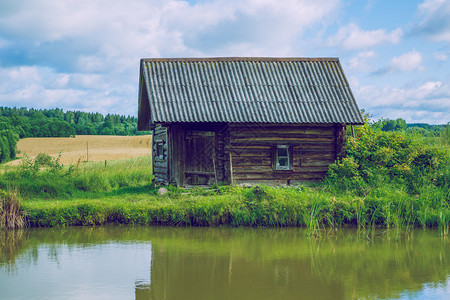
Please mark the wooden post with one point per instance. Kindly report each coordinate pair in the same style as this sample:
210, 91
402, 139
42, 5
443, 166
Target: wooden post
215, 172
353, 131
231, 169
340, 140
87, 151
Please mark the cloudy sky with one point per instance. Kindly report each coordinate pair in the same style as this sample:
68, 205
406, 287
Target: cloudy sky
84, 54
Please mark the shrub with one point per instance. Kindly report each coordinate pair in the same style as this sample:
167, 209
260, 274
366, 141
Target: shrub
377, 158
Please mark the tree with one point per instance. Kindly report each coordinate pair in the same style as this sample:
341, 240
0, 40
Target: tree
5, 152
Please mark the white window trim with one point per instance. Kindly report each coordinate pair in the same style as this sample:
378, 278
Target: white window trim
277, 164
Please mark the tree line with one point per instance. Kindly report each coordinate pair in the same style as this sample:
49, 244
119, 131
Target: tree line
422, 129
17, 123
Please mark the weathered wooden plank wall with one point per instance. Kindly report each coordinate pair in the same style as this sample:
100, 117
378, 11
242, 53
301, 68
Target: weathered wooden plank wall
200, 152
252, 146
222, 155
248, 148
177, 157
160, 159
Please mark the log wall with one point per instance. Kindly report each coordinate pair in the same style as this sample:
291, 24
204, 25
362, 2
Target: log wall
160, 159
245, 153
312, 148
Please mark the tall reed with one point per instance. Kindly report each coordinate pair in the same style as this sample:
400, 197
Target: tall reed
10, 214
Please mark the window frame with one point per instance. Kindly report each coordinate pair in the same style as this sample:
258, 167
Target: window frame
276, 158
160, 149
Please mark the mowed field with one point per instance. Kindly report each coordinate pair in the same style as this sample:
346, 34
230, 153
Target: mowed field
99, 147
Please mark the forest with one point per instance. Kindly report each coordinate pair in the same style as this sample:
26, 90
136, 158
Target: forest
18, 123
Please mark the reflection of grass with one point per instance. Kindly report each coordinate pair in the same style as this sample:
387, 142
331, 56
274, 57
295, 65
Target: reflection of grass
444, 221
379, 268
12, 242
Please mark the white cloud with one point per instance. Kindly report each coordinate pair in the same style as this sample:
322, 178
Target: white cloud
428, 102
351, 37
360, 61
435, 23
407, 62
85, 53
160, 28
42, 87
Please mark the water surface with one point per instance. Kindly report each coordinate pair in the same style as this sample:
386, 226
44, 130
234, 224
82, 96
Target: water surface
221, 263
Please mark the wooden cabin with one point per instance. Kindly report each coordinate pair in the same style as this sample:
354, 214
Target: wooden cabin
244, 120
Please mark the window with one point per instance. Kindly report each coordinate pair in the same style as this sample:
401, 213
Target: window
282, 158
160, 149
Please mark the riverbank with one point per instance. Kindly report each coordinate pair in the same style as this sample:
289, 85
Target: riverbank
309, 207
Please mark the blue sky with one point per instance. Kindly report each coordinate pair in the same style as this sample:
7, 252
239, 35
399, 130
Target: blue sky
84, 54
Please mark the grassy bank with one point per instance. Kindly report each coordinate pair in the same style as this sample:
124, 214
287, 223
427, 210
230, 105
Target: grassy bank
313, 208
388, 179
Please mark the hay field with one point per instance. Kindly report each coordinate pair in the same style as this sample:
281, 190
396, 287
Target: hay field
101, 147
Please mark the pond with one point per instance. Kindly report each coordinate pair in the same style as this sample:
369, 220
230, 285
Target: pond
113, 262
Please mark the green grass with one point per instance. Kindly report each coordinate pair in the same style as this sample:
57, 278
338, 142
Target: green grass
388, 180
311, 207
89, 180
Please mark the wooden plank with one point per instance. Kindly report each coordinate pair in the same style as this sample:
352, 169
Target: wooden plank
271, 142
176, 155
314, 154
252, 147
278, 182
159, 159
161, 179
282, 139
300, 162
282, 135
159, 129
250, 152
251, 161
293, 176
160, 167
236, 127
340, 140
160, 164
269, 170
199, 173
157, 170
286, 130
308, 147
190, 133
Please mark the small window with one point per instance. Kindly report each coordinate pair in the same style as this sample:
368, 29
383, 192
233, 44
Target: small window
282, 158
160, 149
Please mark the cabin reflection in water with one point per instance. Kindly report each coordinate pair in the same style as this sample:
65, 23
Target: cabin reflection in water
176, 274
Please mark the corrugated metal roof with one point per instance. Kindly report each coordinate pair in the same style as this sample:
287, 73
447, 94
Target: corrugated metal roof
239, 90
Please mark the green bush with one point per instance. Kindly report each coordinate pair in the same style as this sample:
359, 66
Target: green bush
376, 159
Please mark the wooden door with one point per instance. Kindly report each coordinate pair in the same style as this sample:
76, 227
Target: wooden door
199, 155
